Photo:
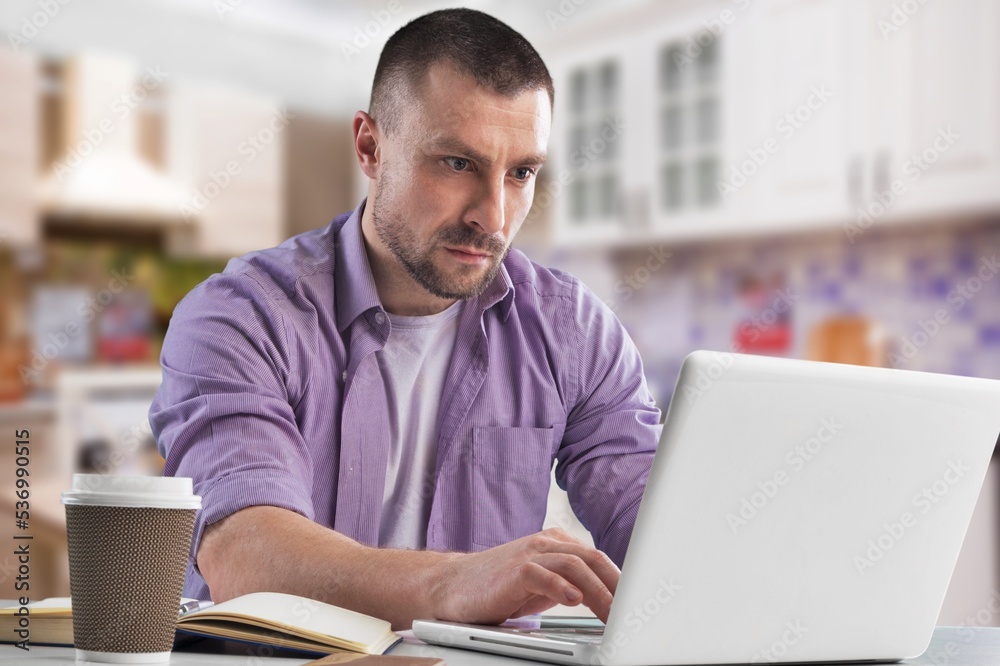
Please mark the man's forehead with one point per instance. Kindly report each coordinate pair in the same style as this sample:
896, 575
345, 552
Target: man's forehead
452, 109
445, 80
526, 153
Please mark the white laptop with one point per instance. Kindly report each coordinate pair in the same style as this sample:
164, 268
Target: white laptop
795, 512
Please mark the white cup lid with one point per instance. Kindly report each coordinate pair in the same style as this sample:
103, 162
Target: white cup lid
164, 492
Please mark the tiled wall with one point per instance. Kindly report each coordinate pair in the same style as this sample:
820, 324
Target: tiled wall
896, 277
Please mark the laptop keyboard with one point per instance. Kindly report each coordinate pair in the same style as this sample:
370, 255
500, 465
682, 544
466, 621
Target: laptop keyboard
578, 636
588, 635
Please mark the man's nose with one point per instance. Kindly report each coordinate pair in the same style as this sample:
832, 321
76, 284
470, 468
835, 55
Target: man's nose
488, 214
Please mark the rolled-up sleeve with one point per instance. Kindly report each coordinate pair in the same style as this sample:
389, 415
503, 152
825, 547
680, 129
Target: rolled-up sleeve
223, 414
612, 429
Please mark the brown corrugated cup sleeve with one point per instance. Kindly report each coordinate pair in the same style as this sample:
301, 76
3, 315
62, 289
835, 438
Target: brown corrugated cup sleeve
127, 568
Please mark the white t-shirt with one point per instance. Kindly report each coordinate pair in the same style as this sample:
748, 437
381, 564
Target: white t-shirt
414, 364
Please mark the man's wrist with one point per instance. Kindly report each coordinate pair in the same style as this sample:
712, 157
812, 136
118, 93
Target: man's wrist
437, 584
417, 585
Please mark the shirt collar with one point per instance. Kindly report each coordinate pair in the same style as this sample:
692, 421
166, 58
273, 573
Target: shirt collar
354, 286
501, 290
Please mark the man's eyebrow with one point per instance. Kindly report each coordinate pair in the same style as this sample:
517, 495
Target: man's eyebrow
537, 158
460, 148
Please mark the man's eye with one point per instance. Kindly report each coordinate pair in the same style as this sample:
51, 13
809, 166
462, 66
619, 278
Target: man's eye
457, 163
523, 173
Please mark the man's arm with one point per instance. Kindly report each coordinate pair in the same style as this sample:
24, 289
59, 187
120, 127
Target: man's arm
612, 429
267, 548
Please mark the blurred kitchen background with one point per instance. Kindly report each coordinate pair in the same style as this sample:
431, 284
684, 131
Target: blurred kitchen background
809, 178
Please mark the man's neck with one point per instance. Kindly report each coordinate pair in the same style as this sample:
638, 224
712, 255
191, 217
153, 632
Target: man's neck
400, 294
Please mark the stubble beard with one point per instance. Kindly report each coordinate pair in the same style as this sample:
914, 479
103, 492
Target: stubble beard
418, 258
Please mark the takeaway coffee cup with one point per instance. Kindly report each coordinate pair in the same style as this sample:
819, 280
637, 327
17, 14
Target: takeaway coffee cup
129, 538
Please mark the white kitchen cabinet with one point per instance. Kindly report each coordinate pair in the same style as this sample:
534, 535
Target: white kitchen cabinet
935, 106
686, 151
726, 131
228, 149
803, 112
19, 150
784, 159
701, 117
592, 143
910, 130
665, 117
799, 111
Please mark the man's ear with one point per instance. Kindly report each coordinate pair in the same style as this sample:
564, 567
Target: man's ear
366, 143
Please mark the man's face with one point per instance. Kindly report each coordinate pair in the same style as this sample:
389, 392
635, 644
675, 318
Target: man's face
456, 180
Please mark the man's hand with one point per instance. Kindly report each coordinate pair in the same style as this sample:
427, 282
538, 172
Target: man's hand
266, 548
522, 577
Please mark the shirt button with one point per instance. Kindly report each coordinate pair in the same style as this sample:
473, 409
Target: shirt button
379, 317
343, 376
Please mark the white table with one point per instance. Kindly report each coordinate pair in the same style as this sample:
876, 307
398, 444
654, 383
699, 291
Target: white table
951, 646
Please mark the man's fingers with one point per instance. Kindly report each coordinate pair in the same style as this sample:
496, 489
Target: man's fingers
536, 604
543, 582
559, 534
554, 568
598, 562
578, 574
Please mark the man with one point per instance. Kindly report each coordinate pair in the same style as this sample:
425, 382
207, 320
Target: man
371, 411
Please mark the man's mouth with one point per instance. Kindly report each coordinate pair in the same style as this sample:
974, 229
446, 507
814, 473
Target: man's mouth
468, 255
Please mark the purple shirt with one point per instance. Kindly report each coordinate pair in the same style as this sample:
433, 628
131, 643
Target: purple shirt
272, 395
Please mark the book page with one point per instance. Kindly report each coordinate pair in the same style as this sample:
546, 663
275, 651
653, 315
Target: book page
246, 632
50, 606
293, 614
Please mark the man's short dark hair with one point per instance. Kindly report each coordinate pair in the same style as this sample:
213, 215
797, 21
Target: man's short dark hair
475, 43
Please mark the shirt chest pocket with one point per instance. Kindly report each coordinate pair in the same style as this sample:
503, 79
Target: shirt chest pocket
511, 472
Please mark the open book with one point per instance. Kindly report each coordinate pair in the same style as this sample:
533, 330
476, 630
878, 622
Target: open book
50, 622
286, 620
267, 618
